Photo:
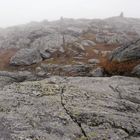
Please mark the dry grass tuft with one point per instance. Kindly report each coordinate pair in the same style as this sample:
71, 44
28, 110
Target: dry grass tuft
118, 68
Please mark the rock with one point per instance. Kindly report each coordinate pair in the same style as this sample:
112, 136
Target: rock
105, 53
96, 51
71, 109
100, 38
45, 54
126, 53
67, 70
136, 71
61, 50
79, 46
53, 42
88, 43
12, 75
106, 111
98, 72
5, 81
26, 57
93, 61
111, 38
40, 72
38, 69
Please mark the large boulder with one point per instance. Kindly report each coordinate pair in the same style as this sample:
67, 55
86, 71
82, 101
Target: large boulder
71, 109
26, 57
127, 52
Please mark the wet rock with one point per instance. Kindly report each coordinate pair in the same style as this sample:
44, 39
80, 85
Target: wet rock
26, 57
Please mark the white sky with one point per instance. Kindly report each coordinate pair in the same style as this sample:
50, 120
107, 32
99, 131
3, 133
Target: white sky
13, 12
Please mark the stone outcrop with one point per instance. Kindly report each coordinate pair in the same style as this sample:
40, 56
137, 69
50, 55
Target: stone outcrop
127, 52
71, 109
67, 70
26, 57
98, 72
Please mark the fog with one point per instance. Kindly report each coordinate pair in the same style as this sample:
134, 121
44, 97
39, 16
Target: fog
13, 12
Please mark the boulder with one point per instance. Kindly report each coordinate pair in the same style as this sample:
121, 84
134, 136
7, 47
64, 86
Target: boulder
67, 70
136, 71
78, 46
40, 72
88, 43
111, 38
18, 76
98, 72
94, 61
45, 54
26, 57
127, 52
105, 53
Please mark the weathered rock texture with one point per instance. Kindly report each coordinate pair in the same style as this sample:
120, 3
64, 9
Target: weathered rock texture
71, 109
136, 71
127, 52
26, 57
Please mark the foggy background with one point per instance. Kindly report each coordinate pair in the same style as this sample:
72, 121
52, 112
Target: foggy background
13, 12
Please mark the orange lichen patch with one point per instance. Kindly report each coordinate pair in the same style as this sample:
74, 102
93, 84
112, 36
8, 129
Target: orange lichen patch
120, 68
5, 56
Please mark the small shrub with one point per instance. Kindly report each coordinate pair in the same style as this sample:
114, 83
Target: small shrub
118, 68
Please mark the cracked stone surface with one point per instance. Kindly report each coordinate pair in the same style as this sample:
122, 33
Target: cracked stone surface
80, 108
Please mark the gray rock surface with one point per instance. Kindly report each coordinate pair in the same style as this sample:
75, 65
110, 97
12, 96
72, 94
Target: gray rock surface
94, 61
45, 54
43, 35
65, 70
98, 72
136, 71
26, 57
17, 76
127, 52
88, 43
71, 109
